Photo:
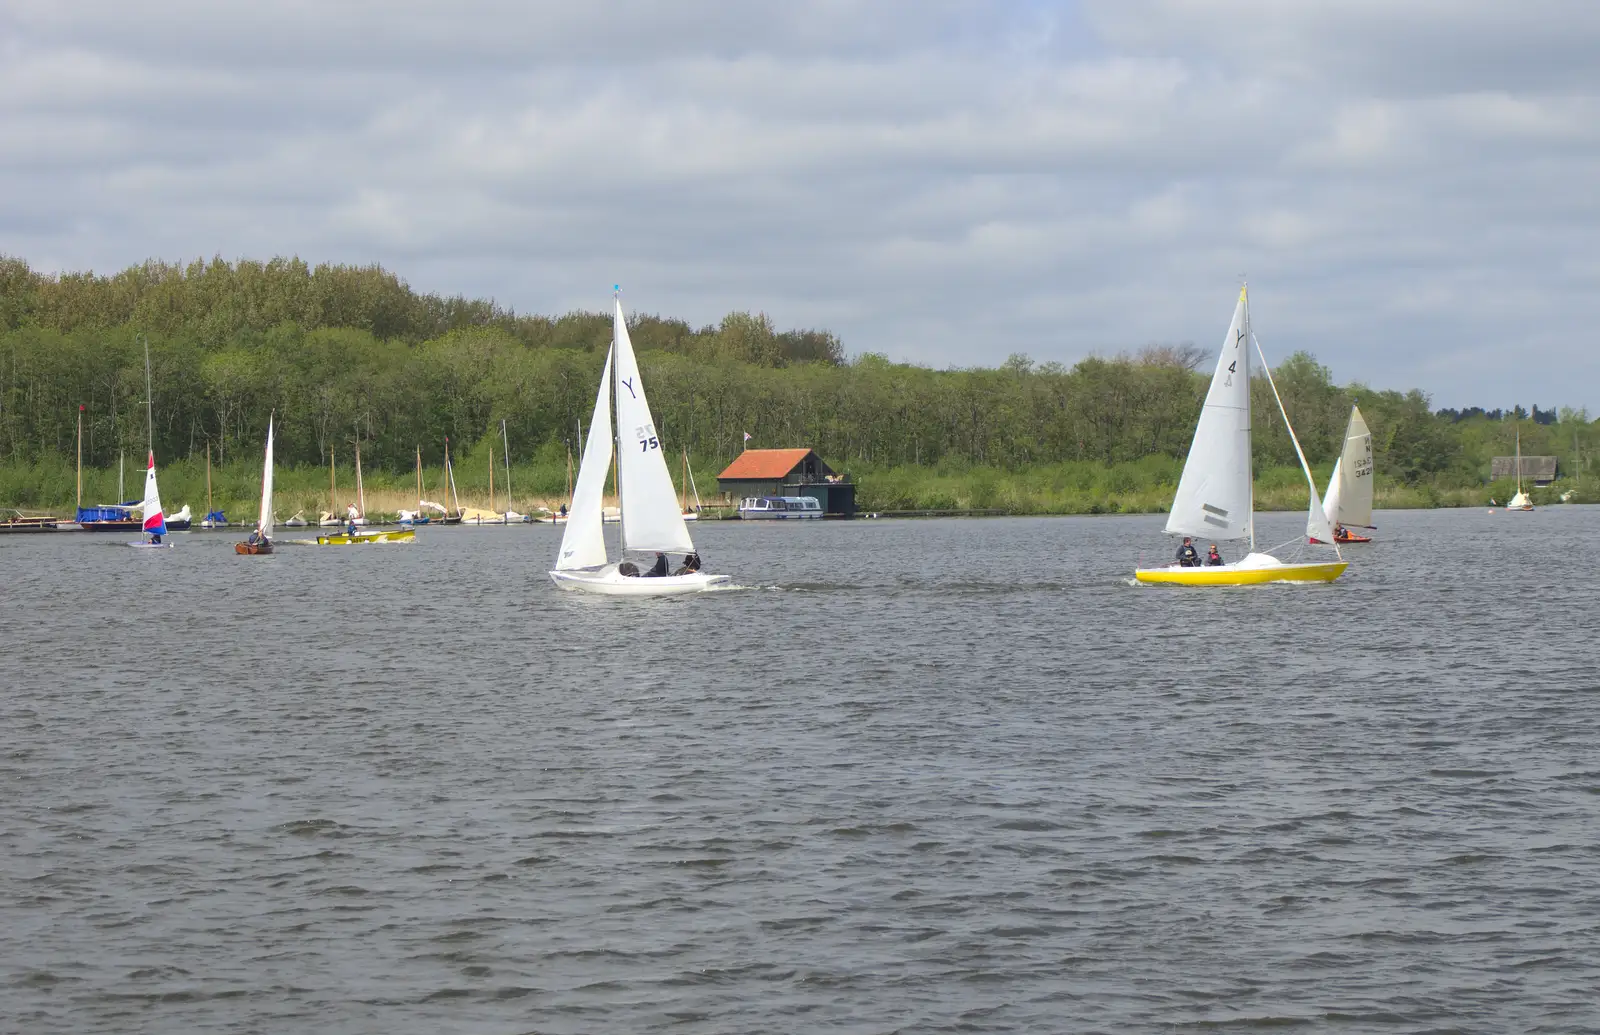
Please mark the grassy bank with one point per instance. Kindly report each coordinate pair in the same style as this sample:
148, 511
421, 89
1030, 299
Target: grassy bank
1138, 487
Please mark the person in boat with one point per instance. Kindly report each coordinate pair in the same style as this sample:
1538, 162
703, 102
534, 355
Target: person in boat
1213, 558
155, 538
658, 569
1187, 556
691, 564
563, 510
255, 537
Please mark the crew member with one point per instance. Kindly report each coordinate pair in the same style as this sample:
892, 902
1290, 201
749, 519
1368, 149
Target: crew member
659, 569
1213, 558
1187, 555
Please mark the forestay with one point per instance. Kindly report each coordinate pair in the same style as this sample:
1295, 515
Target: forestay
155, 522
264, 522
1214, 496
583, 545
651, 519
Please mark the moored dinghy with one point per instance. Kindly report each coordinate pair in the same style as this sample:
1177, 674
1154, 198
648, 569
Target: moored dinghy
260, 541
650, 516
1216, 494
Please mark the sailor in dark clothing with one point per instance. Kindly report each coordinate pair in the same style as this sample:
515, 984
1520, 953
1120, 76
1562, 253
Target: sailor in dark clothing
660, 567
691, 564
1213, 558
1187, 556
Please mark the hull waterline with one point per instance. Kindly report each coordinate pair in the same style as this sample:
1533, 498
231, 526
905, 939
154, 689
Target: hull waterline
1256, 570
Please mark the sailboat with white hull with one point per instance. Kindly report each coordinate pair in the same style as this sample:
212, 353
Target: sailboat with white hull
260, 542
1216, 492
651, 520
1521, 501
1348, 503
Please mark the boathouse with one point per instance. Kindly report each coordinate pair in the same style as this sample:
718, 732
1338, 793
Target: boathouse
789, 472
1540, 470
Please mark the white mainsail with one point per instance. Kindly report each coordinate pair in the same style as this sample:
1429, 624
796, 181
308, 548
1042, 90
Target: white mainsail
1214, 495
651, 519
1349, 501
583, 545
264, 522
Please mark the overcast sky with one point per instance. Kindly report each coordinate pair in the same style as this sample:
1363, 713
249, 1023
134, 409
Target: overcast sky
1411, 186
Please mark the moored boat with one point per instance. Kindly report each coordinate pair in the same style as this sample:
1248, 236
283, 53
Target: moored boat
779, 508
397, 535
1216, 493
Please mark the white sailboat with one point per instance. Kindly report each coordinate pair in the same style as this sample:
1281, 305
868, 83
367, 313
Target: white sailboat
1521, 500
260, 541
651, 520
1216, 493
154, 522
1349, 500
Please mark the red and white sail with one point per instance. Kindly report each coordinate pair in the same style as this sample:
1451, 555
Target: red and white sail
155, 522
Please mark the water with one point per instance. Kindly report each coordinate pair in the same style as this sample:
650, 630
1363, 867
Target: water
925, 776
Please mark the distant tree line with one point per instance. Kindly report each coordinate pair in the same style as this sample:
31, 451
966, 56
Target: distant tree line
349, 356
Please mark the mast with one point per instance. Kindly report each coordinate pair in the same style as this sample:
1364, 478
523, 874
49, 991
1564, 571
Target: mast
361, 490
419, 478
1519, 461
208, 478
507, 457
1249, 434
683, 484
80, 456
616, 445
149, 412
333, 488
491, 478
121, 456
450, 480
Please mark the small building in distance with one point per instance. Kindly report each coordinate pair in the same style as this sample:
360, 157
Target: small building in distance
789, 472
1540, 470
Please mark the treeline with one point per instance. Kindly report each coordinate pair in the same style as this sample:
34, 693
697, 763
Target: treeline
352, 356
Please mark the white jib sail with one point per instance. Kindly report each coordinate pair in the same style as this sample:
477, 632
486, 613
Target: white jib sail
1350, 490
264, 522
583, 544
651, 519
1214, 497
154, 520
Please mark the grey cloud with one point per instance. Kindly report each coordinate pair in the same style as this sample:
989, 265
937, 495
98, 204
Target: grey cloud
946, 182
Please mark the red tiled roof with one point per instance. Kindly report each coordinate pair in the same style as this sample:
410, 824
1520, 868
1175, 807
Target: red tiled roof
764, 463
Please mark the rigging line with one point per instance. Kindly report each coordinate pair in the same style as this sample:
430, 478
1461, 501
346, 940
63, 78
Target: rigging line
1266, 368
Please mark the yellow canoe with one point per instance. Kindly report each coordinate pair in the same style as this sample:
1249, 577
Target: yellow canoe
1254, 570
404, 535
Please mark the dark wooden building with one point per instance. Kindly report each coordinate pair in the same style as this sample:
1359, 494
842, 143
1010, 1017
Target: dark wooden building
789, 472
1540, 470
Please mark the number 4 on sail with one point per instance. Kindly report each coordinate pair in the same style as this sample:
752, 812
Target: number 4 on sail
1216, 494
651, 519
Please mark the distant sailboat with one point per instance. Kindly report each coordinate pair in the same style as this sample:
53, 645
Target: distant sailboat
260, 541
154, 521
1349, 500
1216, 492
651, 520
1520, 501
685, 486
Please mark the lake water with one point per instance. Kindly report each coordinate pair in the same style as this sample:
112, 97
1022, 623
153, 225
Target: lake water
921, 776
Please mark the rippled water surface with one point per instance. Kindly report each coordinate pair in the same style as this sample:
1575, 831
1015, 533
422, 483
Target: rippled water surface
919, 776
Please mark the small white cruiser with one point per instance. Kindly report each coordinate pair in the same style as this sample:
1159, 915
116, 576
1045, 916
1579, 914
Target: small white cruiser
779, 508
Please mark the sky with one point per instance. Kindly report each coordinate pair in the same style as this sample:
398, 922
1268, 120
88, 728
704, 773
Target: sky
1411, 189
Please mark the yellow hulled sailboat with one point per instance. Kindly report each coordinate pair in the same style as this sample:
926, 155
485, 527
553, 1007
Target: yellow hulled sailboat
1216, 493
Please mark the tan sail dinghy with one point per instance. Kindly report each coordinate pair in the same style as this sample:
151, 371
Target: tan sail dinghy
1349, 500
1216, 492
651, 521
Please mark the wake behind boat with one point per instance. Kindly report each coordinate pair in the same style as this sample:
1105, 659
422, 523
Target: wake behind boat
1216, 494
651, 517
